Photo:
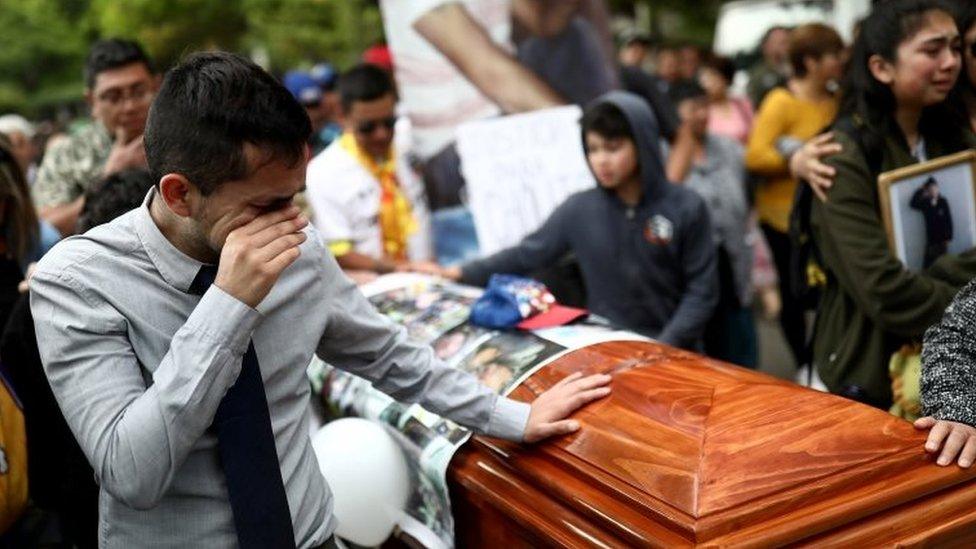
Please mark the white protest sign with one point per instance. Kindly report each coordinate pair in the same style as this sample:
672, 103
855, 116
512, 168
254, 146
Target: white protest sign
518, 168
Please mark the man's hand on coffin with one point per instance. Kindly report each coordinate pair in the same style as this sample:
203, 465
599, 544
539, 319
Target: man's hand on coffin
551, 408
955, 439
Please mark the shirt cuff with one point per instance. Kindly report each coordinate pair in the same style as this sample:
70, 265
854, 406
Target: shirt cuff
508, 419
224, 319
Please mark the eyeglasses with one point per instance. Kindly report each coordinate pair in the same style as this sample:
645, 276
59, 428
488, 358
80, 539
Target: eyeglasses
117, 97
369, 126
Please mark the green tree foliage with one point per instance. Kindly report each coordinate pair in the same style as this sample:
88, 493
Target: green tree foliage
301, 32
42, 49
169, 28
44, 42
675, 20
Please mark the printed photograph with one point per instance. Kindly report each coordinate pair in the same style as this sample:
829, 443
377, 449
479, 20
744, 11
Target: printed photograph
501, 360
427, 311
930, 209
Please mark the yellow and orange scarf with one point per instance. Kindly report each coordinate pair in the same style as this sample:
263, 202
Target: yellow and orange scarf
396, 218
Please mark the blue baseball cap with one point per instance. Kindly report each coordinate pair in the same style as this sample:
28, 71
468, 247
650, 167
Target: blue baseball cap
303, 87
325, 75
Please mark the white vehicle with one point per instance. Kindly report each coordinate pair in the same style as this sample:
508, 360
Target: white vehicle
742, 23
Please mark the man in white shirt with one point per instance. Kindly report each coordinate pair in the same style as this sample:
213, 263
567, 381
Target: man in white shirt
365, 198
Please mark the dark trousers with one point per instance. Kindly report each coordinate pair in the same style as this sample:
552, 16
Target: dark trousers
791, 318
933, 251
730, 335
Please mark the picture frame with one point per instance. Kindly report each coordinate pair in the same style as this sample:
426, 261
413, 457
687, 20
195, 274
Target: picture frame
929, 209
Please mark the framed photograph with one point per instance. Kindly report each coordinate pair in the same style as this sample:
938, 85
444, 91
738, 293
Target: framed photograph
929, 209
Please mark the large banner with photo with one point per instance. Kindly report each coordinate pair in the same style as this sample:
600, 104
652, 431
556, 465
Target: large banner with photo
551, 53
519, 168
436, 312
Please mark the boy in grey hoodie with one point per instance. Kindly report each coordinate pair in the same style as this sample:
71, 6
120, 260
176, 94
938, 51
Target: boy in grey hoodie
644, 246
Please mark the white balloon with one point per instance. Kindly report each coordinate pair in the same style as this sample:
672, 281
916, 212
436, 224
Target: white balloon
368, 475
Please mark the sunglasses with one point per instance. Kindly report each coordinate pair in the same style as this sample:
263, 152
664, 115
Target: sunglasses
370, 126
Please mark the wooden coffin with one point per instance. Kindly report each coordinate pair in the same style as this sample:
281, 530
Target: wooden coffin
692, 452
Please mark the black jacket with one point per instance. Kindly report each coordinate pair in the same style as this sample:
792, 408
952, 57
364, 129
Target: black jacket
938, 218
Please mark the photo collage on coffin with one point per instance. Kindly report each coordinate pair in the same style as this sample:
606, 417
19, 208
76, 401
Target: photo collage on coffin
435, 312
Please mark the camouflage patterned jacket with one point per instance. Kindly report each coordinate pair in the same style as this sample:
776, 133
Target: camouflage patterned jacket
71, 166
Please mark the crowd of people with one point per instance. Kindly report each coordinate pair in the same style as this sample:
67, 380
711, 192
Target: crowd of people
712, 200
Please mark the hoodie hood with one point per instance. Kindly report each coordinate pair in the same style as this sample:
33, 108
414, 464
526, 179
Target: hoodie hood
646, 135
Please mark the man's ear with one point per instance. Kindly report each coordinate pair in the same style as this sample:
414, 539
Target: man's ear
178, 193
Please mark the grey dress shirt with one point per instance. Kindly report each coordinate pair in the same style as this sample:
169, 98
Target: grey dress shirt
139, 366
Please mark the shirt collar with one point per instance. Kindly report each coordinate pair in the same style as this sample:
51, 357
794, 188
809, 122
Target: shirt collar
176, 268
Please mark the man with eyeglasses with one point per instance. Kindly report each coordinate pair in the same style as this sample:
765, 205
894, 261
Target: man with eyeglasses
120, 84
366, 201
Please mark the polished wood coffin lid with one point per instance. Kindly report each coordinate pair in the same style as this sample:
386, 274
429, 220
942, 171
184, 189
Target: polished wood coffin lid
690, 451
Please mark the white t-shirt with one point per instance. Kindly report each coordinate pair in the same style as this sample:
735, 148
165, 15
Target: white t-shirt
345, 201
434, 93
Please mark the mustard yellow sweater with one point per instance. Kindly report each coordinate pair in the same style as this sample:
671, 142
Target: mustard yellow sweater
781, 115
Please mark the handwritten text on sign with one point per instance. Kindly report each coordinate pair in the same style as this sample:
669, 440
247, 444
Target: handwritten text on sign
518, 168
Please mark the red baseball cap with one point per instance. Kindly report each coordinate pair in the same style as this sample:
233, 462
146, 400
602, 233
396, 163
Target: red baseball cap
380, 56
555, 315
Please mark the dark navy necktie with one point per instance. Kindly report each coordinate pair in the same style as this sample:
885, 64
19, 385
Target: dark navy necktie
246, 444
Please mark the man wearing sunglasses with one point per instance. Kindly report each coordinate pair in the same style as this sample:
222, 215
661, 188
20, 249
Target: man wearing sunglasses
120, 85
366, 201
307, 91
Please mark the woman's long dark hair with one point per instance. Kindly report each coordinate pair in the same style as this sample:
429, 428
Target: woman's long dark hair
865, 99
20, 219
965, 19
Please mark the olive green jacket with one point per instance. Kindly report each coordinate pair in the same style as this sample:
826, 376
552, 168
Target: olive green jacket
763, 78
871, 304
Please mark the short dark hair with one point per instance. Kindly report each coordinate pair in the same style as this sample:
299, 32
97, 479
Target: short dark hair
606, 120
637, 39
770, 32
668, 47
683, 90
112, 196
812, 40
930, 182
722, 65
208, 107
364, 82
111, 54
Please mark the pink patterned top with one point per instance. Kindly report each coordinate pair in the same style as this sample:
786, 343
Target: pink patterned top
733, 120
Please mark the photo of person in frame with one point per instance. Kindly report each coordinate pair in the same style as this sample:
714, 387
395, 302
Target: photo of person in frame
929, 209
938, 219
